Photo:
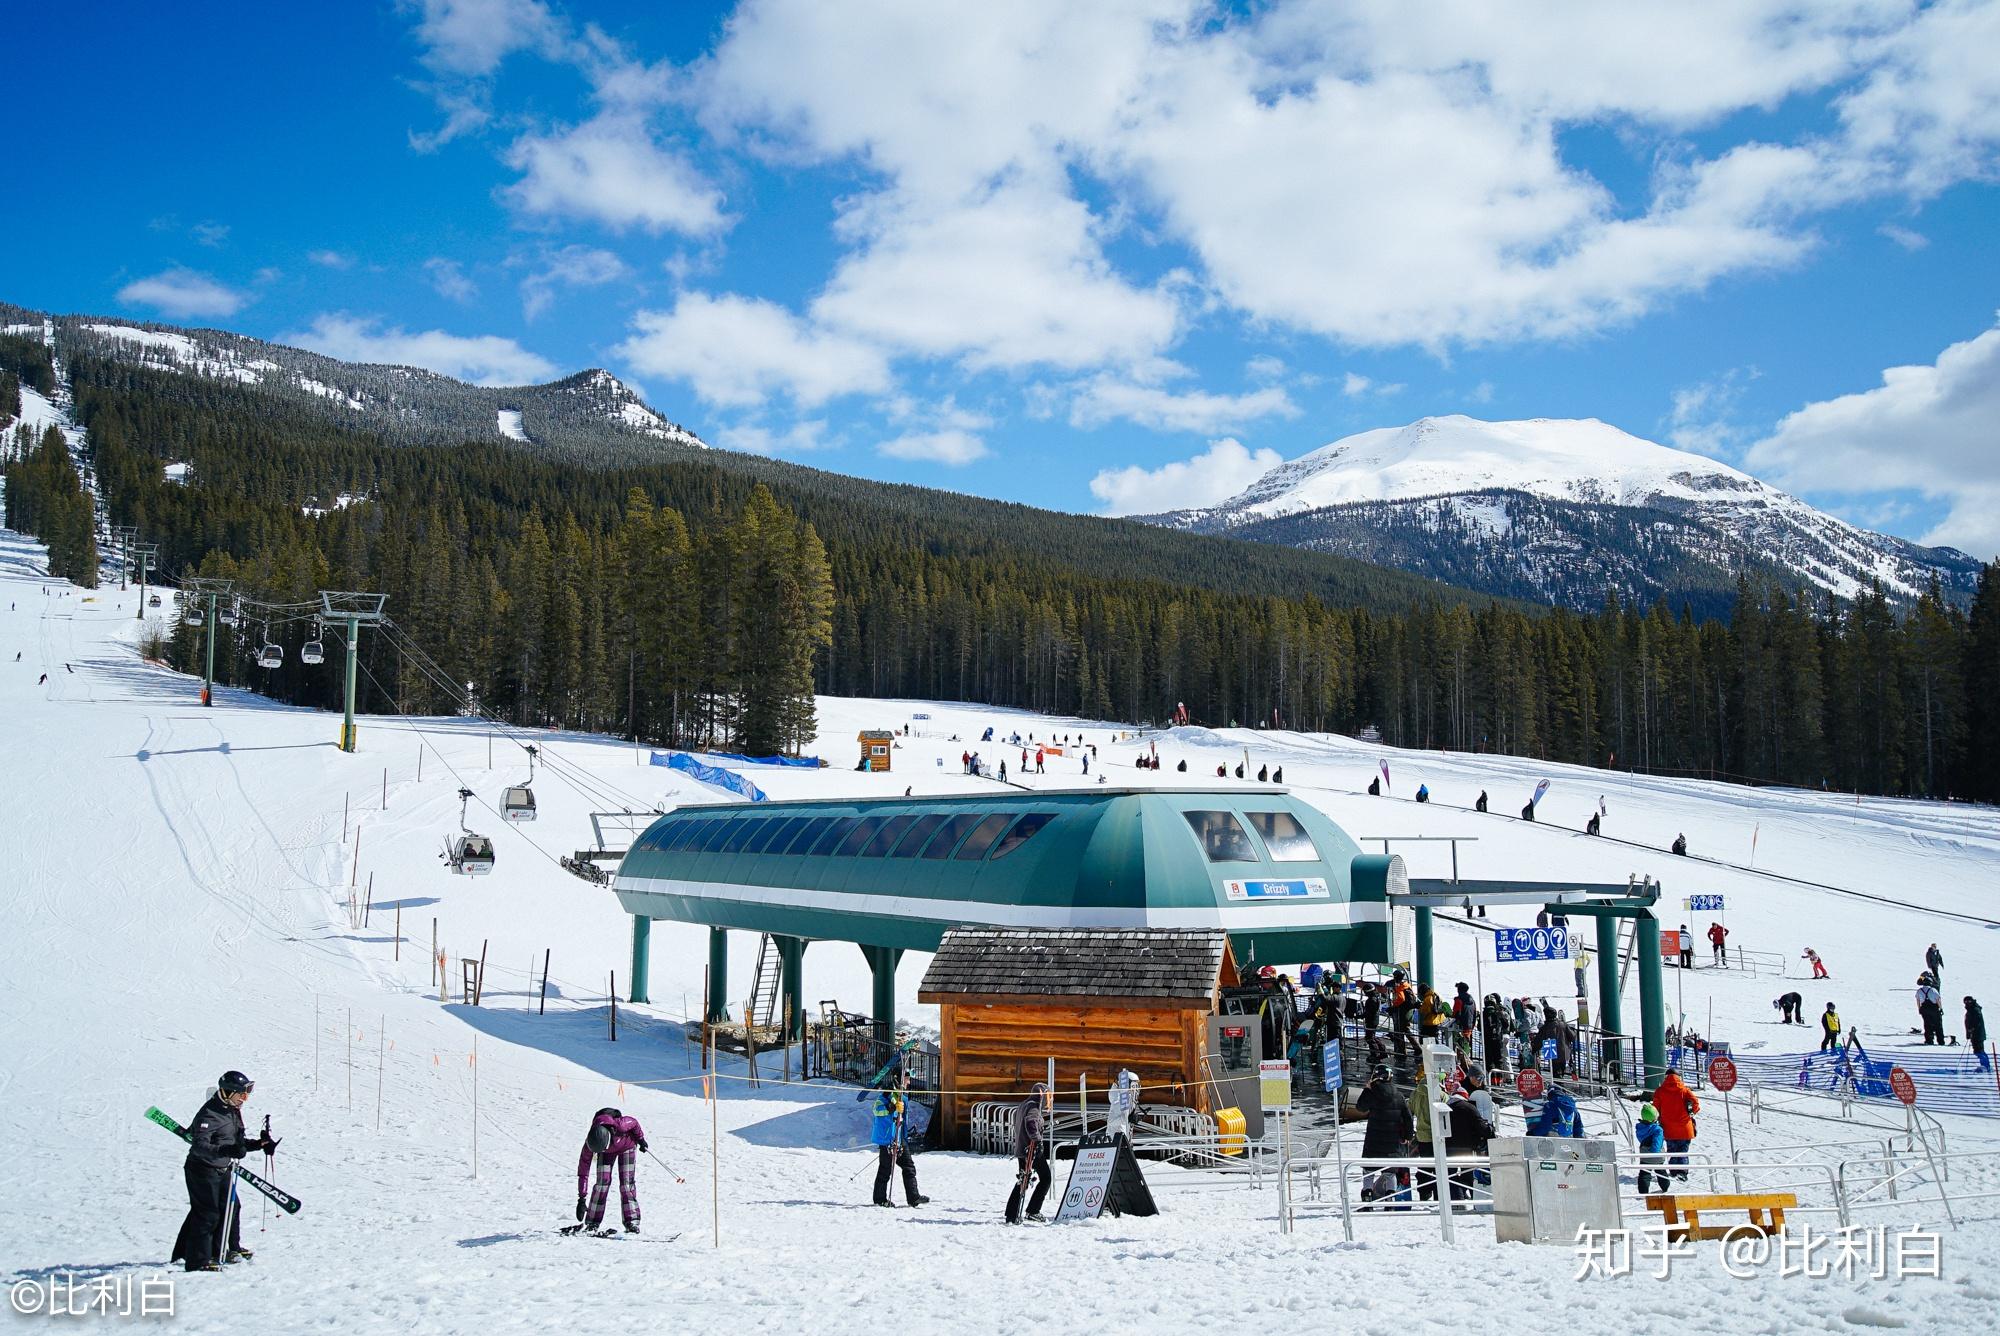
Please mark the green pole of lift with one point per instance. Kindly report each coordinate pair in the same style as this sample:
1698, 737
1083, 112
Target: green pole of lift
642, 956
1426, 953
1652, 998
353, 665
1610, 1009
208, 673
718, 974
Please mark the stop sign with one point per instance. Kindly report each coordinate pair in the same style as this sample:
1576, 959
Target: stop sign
1905, 1088
1722, 1075
1530, 1085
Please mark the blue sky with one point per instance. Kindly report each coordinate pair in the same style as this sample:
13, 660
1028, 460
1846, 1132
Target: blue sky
1107, 258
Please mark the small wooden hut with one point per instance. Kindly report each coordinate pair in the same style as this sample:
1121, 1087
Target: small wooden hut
1095, 1000
876, 744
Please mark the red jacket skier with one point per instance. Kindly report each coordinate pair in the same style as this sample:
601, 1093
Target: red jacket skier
613, 1138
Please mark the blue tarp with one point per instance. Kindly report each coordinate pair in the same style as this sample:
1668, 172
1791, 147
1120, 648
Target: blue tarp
805, 762
709, 774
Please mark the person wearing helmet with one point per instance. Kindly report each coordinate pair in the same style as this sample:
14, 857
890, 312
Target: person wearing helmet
890, 1135
216, 1141
613, 1138
1652, 1150
1031, 1153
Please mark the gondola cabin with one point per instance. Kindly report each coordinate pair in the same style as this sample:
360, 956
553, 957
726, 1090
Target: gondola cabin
470, 855
1098, 1001
876, 744
517, 804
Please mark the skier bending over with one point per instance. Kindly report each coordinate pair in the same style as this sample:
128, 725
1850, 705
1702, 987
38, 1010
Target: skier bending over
216, 1143
1031, 1154
613, 1139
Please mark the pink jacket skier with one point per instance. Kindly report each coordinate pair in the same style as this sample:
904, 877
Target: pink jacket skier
613, 1139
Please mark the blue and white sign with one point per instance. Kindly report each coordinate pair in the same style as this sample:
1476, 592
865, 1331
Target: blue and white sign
1517, 944
1712, 903
1297, 888
1330, 1060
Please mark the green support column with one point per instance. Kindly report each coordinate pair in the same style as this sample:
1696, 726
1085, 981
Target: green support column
718, 974
1425, 965
353, 662
208, 674
791, 959
1610, 1012
642, 956
882, 960
1652, 998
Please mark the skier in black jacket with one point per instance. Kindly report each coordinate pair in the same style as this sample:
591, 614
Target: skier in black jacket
218, 1143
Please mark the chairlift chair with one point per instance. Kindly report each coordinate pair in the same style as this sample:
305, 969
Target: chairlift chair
470, 854
517, 803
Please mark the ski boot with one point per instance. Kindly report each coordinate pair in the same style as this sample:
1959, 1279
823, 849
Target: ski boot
631, 1229
239, 1255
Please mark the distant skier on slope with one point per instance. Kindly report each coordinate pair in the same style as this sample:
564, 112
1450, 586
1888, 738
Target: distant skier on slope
613, 1138
1818, 965
216, 1143
1790, 1005
1829, 1029
1480, 804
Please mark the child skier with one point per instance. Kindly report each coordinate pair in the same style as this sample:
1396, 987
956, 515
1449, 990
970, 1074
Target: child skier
616, 1139
1818, 965
1652, 1150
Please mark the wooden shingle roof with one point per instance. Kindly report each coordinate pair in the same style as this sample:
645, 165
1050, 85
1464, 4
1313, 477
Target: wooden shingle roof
1115, 964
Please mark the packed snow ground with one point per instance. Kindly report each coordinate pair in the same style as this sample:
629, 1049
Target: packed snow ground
179, 905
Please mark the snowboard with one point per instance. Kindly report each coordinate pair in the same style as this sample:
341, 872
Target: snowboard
578, 1231
285, 1200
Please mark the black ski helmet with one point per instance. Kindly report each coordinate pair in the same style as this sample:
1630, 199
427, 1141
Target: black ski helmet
600, 1137
234, 1082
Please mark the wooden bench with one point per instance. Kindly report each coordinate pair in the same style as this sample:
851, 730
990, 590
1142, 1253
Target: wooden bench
1683, 1212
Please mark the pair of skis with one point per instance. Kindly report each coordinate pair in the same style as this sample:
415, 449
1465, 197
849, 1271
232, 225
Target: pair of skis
285, 1200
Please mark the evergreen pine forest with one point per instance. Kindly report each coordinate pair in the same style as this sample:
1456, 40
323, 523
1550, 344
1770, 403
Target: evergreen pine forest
704, 599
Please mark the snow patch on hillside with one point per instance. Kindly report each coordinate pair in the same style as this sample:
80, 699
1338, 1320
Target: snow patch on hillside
510, 425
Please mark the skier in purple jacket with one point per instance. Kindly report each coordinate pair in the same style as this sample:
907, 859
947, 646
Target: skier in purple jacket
613, 1139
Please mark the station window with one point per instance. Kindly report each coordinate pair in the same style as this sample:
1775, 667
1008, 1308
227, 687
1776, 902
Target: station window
857, 836
918, 835
811, 830
949, 834
832, 835
983, 836
682, 832
712, 836
1284, 837
746, 830
1021, 832
1222, 837
773, 833
697, 840
886, 836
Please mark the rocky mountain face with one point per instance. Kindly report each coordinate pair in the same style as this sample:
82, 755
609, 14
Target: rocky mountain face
1566, 512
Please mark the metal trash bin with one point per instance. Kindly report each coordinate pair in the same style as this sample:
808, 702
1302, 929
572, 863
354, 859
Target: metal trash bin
1547, 1188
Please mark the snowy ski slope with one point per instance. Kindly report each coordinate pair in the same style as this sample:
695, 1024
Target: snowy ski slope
178, 905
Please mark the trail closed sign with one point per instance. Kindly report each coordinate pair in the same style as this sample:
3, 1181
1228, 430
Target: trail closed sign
1905, 1088
1722, 1075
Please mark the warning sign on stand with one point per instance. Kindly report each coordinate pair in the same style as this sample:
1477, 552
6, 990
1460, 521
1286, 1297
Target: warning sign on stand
1274, 1085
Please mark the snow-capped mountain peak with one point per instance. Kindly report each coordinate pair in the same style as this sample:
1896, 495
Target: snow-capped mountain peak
1566, 509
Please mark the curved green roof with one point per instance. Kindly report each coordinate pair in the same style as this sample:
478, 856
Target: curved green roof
1287, 884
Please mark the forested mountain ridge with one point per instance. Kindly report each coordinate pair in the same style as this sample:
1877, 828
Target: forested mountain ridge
1566, 511
586, 416
699, 598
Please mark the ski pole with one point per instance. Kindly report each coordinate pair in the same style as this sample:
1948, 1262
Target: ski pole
668, 1167
265, 1214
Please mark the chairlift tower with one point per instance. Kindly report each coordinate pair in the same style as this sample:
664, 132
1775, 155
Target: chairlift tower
353, 609
126, 534
148, 555
202, 587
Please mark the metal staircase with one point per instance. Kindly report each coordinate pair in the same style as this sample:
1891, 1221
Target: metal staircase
768, 985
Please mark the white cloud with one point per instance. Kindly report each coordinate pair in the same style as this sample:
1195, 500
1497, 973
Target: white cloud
1264, 368
1214, 475
611, 170
484, 359
330, 259
740, 351
210, 234
1011, 277
1355, 386
184, 293
951, 446
569, 267
1482, 393
756, 438
1908, 238
472, 37
1703, 417
450, 280
1929, 429
1105, 398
